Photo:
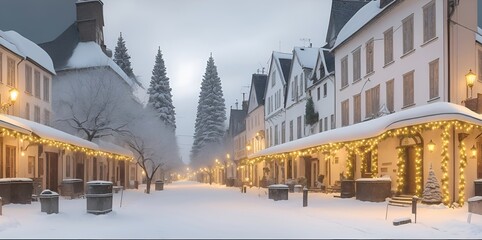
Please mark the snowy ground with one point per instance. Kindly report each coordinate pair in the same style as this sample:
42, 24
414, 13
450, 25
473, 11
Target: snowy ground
194, 210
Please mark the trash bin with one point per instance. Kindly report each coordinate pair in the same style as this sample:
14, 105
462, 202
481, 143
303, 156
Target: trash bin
49, 201
159, 185
73, 188
278, 192
99, 197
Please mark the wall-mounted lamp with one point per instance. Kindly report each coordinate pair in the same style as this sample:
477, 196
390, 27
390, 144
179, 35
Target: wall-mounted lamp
470, 80
473, 150
13, 95
431, 146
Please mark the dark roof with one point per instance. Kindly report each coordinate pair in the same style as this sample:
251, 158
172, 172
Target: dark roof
237, 122
39, 21
285, 67
259, 83
341, 12
61, 48
329, 60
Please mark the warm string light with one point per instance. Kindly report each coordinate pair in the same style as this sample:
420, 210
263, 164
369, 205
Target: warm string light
418, 171
349, 164
374, 162
463, 164
444, 166
401, 169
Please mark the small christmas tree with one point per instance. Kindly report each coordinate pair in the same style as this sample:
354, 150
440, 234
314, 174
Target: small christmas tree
122, 58
311, 117
431, 193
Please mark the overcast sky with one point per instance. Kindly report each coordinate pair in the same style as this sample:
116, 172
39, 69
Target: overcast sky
240, 34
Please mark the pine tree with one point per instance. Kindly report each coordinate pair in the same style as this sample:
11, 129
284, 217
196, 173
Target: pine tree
311, 117
160, 97
211, 111
431, 193
122, 58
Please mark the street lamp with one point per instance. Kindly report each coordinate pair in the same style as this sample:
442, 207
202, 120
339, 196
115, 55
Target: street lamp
13, 94
470, 80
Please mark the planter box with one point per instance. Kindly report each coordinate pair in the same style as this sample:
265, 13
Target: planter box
475, 205
478, 187
16, 190
278, 192
373, 189
99, 197
73, 188
347, 189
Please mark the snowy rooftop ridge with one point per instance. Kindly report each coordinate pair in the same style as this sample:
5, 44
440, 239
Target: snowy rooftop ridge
359, 20
89, 54
307, 56
478, 36
26, 49
282, 55
113, 148
440, 111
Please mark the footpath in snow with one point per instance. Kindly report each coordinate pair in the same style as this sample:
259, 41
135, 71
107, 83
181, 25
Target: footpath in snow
194, 210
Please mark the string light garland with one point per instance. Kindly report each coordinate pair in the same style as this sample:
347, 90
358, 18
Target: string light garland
445, 163
463, 164
401, 169
418, 171
374, 159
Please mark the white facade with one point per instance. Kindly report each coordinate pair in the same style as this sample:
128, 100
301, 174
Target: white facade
274, 99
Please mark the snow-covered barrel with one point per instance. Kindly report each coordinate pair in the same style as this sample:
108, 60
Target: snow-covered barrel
99, 197
278, 192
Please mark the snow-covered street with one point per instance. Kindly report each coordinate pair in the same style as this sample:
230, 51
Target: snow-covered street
194, 210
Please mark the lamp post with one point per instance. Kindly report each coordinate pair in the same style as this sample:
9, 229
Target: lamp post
13, 94
470, 80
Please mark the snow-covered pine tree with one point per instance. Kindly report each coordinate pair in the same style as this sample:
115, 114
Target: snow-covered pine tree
311, 117
431, 193
122, 58
160, 97
211, 112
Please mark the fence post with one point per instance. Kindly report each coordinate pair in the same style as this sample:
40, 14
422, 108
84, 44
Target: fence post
305, 197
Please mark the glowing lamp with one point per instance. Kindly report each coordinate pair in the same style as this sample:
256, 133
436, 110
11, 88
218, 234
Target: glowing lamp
431, 146
473, 150
13, 94
470, 80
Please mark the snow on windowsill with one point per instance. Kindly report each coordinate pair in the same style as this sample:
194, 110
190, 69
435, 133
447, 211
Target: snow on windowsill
373, 179
100, 182
15, 180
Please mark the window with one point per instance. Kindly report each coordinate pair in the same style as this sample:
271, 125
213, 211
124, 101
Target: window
344, 113
36, 75
320, 125
10, 162
291, 130
344, 72
433, 77
67, 166
283, 132
10, 72
356, 108
407, 34
368, 165
369, 56
46, 89
372, 102
276, 135
325, 90
318, 93
46, 117
479, 65
390, 95
326, 123
31, 165
295, 90
408, 89
302, 80
36, 112
271, 136
267, 137
273, 79
356, 65
332, 121
388, 45
28, 79
429, 28
298, 127
1, 68
27, 111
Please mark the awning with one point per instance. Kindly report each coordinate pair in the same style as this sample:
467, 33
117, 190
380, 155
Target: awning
440, 111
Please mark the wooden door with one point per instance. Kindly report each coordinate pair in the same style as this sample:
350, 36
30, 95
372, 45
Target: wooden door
52, 170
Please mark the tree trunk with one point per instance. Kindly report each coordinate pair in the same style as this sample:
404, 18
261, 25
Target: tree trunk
148, 185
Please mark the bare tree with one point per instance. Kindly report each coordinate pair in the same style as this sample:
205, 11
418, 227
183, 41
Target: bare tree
93, 103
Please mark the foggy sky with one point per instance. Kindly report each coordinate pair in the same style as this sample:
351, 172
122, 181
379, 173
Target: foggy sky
240, 34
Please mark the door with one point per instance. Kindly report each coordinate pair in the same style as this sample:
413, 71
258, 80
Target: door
314, 173
79, 167
52, 166
410, 171
10, 161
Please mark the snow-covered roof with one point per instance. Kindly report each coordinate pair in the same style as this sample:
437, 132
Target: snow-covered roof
360, 19
26, 49
50, 133
89, 54
306, 56
113, 148
440, 111
9, 123
478, 36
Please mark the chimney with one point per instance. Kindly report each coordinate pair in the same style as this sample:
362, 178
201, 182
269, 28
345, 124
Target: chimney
90, 22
